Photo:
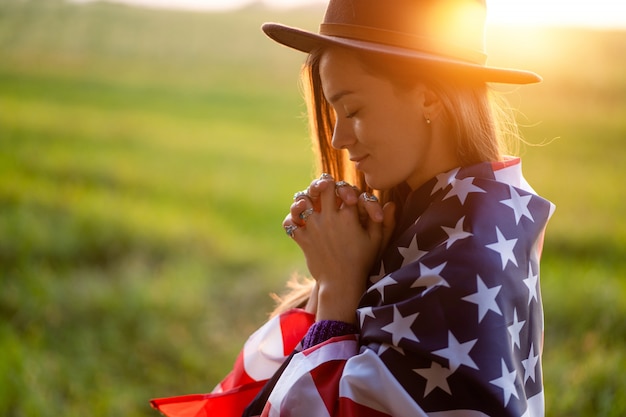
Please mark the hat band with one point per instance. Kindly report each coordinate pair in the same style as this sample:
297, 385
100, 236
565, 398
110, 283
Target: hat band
403, 40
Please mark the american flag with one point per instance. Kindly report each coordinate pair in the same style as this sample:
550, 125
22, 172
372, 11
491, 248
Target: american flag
262, 355
452, 322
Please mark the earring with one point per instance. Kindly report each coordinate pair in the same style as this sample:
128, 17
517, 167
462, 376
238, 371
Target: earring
427, 120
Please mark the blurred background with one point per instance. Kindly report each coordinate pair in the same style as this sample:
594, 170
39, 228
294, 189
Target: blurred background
149, 155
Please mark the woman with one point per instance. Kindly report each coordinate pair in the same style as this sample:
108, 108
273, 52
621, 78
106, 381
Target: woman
425, 297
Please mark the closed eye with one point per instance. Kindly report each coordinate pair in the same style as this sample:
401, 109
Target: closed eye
352, 114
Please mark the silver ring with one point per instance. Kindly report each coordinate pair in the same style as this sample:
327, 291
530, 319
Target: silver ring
290, 230
306, 213
340, 184
326, 176
301, 194
370, 198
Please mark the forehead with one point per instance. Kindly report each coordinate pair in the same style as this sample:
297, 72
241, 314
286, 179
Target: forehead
341, 70
335, 56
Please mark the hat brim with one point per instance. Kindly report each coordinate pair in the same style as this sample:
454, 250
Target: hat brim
305, 41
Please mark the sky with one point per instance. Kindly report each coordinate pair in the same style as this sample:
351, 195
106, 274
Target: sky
588, 13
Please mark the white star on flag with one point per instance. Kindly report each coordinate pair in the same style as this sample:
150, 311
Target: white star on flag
365, 312
457, 353
380, 286
411, 253
436, 377
445, 179
431, 277
381, 273
516, 328
384, 347
456, 233
507, 383
505, 248
530, 364
484, 298
519, 204
400, 327
461, 188
531, 283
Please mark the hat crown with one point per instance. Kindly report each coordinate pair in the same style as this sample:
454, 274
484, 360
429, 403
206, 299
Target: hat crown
452, 28
447, 33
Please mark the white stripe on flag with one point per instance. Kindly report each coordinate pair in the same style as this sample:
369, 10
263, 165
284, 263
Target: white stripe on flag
296, 388
536, 405
458, 413
512, 175
367, 381
303, 400
263, 352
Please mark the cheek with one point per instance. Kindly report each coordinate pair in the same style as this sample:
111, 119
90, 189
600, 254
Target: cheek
373, 129
405, 152
360, 128
413, 134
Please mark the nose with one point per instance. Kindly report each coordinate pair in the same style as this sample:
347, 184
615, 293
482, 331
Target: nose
343, 135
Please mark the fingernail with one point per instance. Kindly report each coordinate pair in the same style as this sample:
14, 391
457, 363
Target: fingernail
321, 183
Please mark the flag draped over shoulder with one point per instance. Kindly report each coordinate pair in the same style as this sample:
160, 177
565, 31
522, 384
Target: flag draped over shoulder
451, 324
262, 355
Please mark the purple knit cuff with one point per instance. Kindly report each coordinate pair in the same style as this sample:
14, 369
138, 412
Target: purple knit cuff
323, 330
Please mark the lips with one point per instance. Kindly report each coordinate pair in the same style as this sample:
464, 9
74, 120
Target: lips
358, 160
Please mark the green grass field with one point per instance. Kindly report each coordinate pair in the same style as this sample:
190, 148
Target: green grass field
147, 159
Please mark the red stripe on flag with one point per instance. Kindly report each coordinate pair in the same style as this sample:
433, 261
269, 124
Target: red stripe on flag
506, 163
326, 378
227, 404
237, 377
293, 325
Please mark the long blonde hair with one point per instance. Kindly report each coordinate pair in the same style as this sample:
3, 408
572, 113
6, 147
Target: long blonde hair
478, 118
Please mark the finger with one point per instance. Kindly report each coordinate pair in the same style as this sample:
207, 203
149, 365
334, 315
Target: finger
300, 195
312, 192
298, 208
346, 194
305, 214
370, 204
288, 220
318, 185
328, 198
316, 188
383, 230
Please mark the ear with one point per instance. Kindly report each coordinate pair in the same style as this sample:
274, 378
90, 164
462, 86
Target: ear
430, 102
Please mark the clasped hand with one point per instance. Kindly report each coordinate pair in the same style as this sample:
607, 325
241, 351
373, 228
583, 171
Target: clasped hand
341, 233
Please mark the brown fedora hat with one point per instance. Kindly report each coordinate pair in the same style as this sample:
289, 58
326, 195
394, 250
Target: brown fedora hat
446, 33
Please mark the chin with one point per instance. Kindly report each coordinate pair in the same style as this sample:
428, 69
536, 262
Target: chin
380, 184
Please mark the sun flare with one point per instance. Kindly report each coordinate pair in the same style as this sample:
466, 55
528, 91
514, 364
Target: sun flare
596, 13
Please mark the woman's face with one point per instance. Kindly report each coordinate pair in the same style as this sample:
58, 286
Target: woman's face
383, 129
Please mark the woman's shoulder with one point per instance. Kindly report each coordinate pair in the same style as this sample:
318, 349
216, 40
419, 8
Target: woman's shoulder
472, 212
480, 200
